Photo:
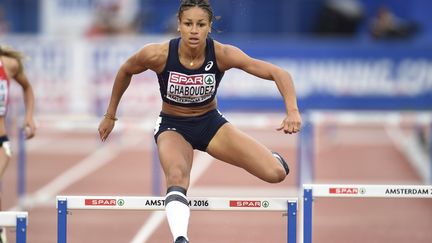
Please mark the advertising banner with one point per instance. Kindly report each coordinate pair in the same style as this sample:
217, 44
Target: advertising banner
75, 76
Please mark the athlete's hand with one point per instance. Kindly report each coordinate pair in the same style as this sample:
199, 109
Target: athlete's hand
291, 123
105, 128
29, 128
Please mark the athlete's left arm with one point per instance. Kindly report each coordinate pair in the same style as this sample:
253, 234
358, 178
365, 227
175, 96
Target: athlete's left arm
233, 57
22, 80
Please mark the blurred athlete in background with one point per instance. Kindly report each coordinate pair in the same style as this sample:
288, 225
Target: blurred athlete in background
11, 68
189, 70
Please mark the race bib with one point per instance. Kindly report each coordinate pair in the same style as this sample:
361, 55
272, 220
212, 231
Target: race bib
187, 89
3, 96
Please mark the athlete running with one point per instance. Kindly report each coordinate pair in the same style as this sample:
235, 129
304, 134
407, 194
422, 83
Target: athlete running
189, 69
11, 68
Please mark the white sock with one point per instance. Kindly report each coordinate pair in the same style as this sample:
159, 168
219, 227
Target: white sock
178, 212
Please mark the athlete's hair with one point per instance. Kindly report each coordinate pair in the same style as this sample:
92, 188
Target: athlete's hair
9, 52
187, 4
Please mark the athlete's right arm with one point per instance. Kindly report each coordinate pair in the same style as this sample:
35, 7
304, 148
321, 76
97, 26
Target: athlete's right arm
148, 57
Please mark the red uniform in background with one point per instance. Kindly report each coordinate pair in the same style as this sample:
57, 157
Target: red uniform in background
4, 90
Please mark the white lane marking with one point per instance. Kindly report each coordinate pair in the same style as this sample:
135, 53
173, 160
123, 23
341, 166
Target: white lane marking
408, 145
83, 168
201, 162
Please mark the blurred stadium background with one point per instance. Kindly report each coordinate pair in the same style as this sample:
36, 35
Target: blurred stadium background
328, 46
362, 70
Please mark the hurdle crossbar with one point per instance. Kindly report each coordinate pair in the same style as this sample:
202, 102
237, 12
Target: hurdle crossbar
17, 219
310, 191
66, 203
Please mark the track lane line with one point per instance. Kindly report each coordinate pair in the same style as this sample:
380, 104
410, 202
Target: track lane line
409, 146
82, 169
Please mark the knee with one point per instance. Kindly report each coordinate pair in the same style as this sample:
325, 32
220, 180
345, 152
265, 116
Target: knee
177, 176
279, 176
276, 174
279, 169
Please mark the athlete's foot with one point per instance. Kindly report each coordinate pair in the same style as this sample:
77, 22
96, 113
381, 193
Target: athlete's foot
181, 239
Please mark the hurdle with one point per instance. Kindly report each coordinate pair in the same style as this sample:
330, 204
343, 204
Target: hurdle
312, 118
16, 219
67, 203
355, 191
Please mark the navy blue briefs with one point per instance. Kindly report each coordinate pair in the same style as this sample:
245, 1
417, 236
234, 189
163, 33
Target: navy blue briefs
197, 130
3, 139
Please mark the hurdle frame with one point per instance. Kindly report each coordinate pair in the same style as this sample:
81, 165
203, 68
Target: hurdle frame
143, 203
355, 191
306, 143
17, 219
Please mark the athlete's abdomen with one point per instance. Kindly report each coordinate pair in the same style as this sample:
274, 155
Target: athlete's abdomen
176, 110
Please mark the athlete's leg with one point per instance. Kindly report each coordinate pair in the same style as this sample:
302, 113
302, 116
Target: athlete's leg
5, 147
237, 148
4, 161
176, 156
5, 156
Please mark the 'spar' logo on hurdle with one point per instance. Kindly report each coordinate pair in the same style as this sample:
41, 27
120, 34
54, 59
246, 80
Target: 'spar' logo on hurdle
248, 204
104, 202
347, 190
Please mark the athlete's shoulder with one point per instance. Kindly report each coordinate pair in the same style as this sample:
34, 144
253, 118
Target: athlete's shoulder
225, 49
227, 55
154, 51
11, 65
152, 55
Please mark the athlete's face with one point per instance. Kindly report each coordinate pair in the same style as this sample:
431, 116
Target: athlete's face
194, 26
